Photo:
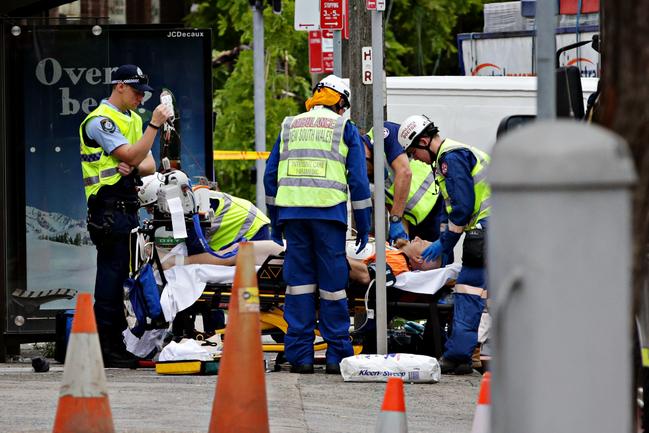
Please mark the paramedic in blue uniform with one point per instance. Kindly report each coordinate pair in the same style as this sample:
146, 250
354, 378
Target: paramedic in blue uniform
460, 172
317, 158
421, 209
401, 177
114, 153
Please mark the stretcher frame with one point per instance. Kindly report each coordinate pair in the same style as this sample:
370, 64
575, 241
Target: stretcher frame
272, 288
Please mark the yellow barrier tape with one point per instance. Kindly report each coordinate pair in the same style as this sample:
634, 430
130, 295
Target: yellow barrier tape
247, 155
645, 357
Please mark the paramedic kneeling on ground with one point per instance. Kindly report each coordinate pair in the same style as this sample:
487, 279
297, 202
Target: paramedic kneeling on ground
317, 157
460, 173
114, 152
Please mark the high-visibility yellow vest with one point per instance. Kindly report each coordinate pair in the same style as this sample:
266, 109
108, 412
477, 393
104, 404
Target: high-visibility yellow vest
234, 218
482, 190
423, 190
422, 195
99, 168
312, 160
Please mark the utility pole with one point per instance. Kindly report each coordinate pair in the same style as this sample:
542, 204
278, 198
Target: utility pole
360, 35
621, 107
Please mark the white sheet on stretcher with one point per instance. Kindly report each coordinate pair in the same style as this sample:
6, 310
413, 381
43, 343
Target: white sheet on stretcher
427, 282
186, 283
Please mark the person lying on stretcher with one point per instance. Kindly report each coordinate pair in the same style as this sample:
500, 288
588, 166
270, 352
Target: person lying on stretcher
405, 257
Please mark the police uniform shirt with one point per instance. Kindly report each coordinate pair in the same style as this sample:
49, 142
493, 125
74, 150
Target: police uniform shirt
105, 132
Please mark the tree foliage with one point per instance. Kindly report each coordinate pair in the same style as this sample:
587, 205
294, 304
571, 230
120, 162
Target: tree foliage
420, 40
286, 74
420, 34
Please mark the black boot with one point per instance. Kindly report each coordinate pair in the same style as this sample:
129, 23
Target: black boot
113, 350
449, 366
302, 369
332, 368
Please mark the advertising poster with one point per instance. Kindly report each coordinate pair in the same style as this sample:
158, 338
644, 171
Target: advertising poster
58, 75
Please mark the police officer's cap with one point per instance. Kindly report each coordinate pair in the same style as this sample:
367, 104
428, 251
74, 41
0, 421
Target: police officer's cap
133, 76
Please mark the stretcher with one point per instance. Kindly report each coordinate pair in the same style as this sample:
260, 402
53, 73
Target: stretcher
414, 296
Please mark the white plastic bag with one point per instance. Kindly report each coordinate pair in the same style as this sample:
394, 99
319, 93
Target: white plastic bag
378, 368
186, 350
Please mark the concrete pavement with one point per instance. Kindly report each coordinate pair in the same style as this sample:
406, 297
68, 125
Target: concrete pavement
143, 401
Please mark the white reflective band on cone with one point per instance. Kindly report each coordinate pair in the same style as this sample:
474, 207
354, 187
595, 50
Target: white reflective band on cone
84, 375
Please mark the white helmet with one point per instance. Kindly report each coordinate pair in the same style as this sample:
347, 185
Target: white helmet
148, 193
413, 127
336, 83
177, 177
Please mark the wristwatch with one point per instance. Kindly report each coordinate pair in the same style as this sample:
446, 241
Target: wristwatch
395, 219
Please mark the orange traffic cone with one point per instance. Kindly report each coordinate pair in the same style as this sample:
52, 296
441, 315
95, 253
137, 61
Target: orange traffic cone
392, 418
240, 399
482, 411
83, 399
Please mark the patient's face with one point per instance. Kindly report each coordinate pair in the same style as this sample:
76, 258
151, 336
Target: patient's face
416, 247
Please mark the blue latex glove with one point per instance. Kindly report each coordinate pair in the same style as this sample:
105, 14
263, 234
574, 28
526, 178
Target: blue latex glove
276, 235
433, 251
397, 231
361, 239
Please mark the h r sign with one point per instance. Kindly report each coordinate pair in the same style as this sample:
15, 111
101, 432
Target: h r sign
366, 62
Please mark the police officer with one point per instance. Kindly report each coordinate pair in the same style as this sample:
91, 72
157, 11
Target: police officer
114, 152
316, 160
411, 191
460, 173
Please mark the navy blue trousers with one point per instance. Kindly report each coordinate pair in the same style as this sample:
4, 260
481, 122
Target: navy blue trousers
315, 262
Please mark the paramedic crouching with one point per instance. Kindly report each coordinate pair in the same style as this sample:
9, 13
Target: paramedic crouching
114, 152
317, 157
410, 190
460, 173
234, 220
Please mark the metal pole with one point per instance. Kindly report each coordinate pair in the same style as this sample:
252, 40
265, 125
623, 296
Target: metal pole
379, 181
260, 100
546, 96
338, 53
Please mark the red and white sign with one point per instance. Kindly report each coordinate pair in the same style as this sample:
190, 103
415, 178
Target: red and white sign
328, 51
372, 5
331, 14
328, 61
321, 51
315, 52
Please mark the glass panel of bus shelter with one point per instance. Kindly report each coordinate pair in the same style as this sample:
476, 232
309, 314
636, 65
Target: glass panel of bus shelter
58, 72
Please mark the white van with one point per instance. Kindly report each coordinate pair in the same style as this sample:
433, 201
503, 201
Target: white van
466, 108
